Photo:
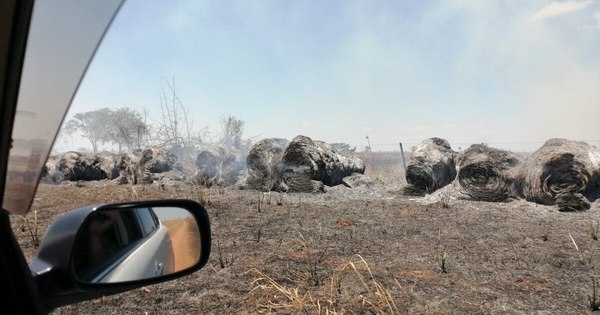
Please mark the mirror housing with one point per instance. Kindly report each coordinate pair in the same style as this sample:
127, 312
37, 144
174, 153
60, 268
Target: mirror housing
53, 269
116, 245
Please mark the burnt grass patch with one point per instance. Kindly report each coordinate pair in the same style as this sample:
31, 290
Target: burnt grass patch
356, 252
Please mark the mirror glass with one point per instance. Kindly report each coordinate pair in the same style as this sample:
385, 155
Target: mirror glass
120, 245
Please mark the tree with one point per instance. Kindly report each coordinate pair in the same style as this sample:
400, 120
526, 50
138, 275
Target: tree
92, 125
127, 128
342, 148
122, 126
232, 130
175, 129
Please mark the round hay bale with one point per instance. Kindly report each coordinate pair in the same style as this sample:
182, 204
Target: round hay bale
562, 172
218, 166
487, 174
431, 167
50, 175
206, 162
76, 166
305, 161
156, 160
127, 167
263, 162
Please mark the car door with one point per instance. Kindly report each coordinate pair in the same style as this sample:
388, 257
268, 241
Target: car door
148, 256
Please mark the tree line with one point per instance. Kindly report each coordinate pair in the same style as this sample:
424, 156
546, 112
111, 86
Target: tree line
124, 127
128, 129
173, 130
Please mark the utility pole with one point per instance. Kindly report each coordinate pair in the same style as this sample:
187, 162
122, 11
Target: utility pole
402, 154
370, 148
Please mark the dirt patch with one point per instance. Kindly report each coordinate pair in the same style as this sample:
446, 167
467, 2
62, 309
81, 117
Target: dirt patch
423, 275
345, 222
527, 284
185, 240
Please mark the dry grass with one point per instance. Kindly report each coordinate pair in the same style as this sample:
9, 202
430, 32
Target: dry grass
373, 298
387, 166
31, 225
445, 200
377, 295
274, 296
594, 229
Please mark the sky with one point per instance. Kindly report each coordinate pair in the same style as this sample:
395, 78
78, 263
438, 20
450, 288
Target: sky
508, 73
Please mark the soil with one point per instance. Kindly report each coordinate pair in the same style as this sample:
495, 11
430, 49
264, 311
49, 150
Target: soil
361, 250
185, 241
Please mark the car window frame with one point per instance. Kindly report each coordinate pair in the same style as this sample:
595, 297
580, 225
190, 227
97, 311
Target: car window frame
141, 222
20, 291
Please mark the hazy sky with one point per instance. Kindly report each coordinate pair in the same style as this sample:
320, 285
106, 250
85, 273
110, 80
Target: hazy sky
503, 72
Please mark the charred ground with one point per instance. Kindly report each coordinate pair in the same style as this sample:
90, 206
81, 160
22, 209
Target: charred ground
303, 252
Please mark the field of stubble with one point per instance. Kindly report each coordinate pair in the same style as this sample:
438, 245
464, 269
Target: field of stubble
363, 250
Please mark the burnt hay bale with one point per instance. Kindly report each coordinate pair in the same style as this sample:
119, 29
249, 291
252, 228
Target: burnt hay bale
431, 167
232, 166
127, 166
218, 166
138, 166
307, 165
157, 160
49, 173
263, 163
487, 174
76, 166
561, 172
206, 162
363, 182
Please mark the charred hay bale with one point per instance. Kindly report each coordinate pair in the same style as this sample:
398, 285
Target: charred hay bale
263, 163
487, 174
431, 167
156, 160
233, 164
50, 175
306, 161
206, 162
562, 172
76, 166
186, 162
363, 182
127, 165
138, 166
218, 166
109, 164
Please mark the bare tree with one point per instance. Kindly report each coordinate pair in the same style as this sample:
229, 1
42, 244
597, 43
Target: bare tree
232, 130
174, 130
127, 128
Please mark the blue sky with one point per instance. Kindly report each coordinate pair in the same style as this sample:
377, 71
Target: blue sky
500, 72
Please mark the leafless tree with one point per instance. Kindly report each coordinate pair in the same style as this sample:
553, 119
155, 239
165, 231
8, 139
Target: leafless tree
232, 130
174, 129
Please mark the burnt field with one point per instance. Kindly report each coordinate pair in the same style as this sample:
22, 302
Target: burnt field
367, 249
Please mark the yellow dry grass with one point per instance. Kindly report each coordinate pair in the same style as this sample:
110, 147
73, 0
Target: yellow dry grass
374, 296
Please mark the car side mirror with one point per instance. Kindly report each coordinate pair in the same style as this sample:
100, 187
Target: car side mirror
112, 248
128, 244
